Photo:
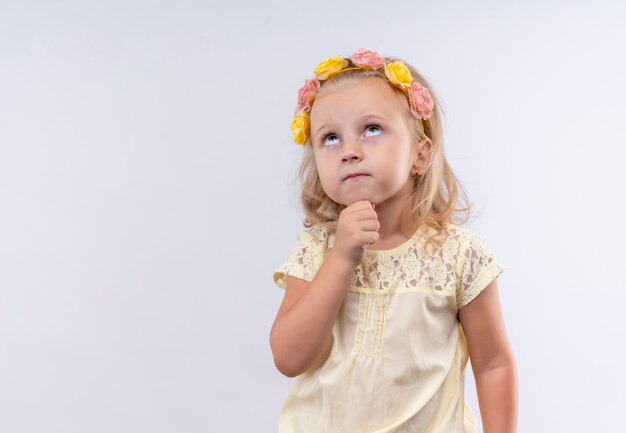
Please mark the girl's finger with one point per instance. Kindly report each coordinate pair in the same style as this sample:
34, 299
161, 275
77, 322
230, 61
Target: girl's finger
365, 214
370, 225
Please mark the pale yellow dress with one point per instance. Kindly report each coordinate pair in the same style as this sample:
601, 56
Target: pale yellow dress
398, 358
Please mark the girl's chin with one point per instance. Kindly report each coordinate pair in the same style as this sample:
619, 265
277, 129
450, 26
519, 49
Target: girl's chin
351, 200
348, 198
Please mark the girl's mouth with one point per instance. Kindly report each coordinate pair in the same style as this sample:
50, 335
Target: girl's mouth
355, 176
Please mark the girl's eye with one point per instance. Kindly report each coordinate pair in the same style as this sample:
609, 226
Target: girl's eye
330, 139
375, 128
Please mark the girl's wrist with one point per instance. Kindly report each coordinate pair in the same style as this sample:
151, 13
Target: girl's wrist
341, 261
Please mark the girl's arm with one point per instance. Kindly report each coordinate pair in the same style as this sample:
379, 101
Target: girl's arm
492, 361
301, 335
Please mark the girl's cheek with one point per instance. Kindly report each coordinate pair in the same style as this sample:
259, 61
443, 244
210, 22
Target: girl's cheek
373, 138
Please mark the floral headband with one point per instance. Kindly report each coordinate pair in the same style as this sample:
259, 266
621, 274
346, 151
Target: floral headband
420, 103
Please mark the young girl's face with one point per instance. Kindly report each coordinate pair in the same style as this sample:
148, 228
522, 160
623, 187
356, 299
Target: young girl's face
363, 142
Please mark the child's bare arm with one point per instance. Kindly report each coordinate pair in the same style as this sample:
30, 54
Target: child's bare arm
301, 335
492, 361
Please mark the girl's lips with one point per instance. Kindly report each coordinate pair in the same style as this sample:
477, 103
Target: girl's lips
356, 176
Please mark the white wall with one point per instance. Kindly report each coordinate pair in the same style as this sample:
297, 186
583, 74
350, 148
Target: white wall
145, 168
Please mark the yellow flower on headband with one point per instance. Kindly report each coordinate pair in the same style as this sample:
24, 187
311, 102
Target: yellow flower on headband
399, 74
329, 67
300, 127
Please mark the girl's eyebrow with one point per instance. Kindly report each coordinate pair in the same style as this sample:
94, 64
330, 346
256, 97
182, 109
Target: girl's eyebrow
364, 116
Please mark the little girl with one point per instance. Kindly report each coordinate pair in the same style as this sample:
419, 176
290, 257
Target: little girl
386, 296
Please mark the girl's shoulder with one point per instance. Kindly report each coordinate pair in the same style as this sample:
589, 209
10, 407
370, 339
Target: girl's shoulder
306, 255
467, 246
316, 233
454, 239
315, 238
457, 233
453, 233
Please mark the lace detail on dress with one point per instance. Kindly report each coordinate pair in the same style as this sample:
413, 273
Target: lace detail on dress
478, 267
306, 256
461, 266
411, 268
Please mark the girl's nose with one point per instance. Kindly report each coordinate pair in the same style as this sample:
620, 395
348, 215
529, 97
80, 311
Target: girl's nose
352, 150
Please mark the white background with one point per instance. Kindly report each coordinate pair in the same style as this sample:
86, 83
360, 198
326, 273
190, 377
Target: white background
147, 195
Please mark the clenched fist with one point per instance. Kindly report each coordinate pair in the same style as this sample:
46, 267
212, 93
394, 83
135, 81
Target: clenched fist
357, 228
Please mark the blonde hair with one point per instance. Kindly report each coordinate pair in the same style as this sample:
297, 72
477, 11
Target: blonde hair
436, 192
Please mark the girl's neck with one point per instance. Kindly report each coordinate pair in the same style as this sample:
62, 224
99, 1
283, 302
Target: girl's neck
396, 224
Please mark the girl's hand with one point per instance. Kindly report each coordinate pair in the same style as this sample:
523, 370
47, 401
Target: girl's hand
357, 228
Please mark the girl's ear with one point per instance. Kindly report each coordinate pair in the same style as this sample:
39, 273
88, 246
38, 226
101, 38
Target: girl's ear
424, 148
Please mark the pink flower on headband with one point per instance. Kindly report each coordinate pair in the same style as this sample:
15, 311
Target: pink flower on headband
307, 93
420, 101
367, 58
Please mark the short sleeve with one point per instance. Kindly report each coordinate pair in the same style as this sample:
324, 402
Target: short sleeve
477, 267
305, 258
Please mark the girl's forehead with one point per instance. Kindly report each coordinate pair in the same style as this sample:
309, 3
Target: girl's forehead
356, 96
